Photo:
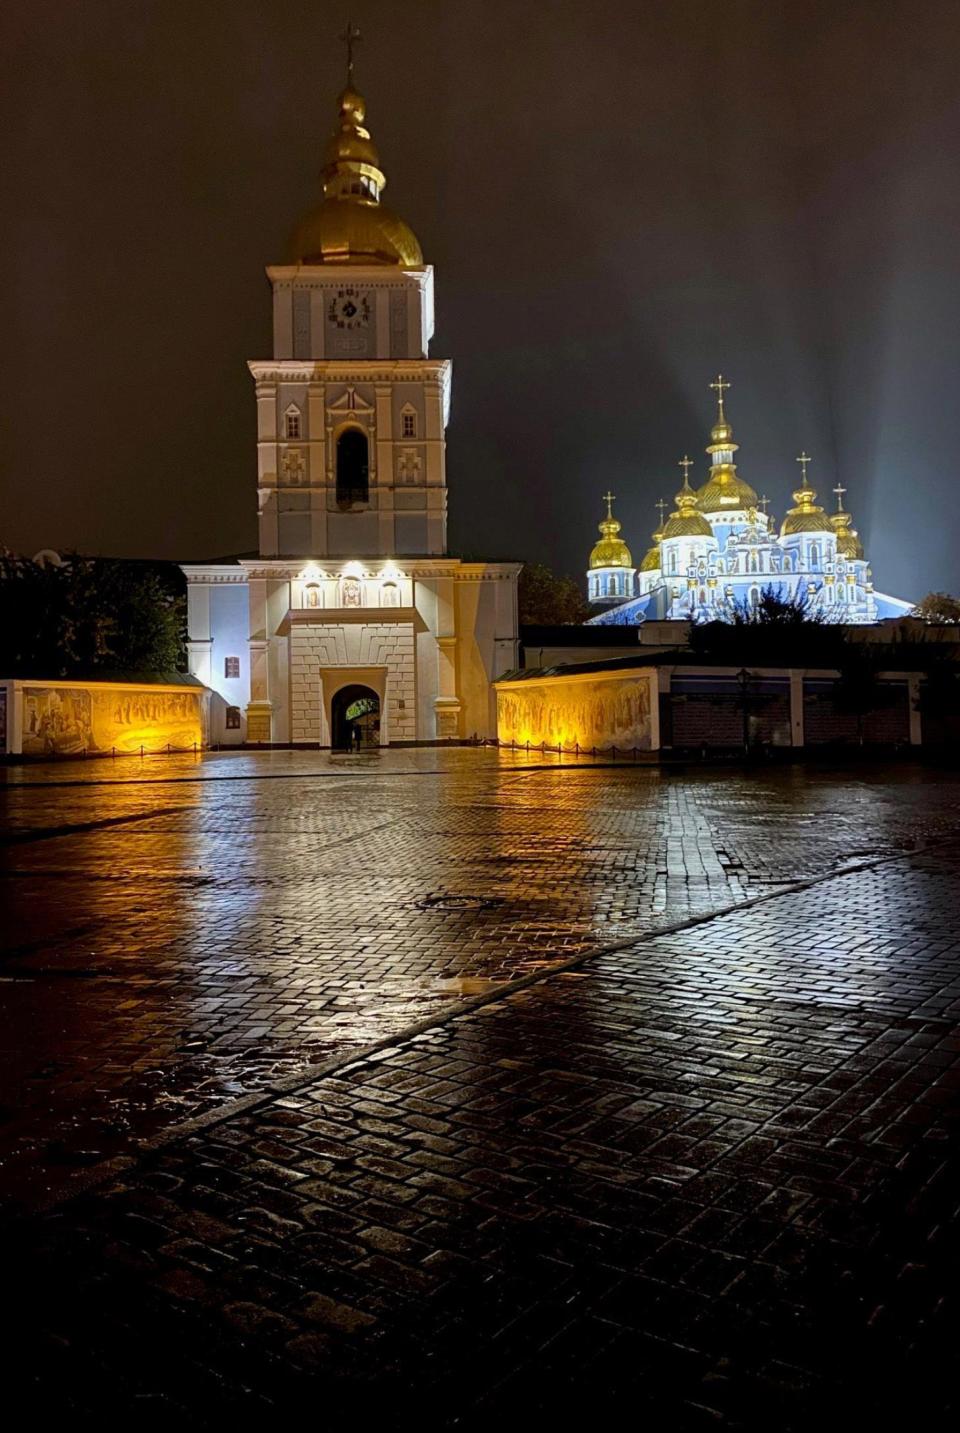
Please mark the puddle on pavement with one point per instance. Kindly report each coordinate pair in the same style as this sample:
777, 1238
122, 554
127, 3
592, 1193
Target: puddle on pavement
467, 985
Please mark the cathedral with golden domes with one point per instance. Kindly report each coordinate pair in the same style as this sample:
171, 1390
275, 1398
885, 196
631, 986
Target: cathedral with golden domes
719, 549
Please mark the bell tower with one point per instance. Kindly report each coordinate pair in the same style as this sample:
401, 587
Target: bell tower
351, 410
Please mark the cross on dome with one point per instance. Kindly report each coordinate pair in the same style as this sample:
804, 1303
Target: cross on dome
803, 460
608, 498
350, 37
686, 464
719, 385
839, 492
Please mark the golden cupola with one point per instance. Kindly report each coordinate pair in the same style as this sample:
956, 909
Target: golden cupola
350, 225
651, 558
611, 550
724, 491
848, 539
686, 520
806, 516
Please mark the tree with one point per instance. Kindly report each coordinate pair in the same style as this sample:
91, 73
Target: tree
776, 631
938, 607
548, 600
88, 617
857, 690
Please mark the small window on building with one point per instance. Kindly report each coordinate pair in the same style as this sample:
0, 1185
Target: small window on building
233, 718
390, 595
293, 423
409, 425
353, 468
231, 666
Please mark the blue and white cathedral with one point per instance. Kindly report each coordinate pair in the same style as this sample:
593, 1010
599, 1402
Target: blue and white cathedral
719, 548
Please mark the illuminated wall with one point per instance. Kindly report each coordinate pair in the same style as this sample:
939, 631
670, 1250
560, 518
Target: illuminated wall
585, 711
72, 717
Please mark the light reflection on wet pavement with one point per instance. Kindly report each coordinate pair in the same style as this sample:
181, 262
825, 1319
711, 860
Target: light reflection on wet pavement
183, 931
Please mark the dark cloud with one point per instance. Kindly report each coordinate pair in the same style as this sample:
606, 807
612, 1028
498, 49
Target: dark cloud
619, 200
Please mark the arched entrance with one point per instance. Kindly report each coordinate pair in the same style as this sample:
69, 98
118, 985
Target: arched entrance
355, 719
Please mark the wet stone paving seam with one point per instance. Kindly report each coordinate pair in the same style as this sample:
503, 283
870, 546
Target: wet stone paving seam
712, 1180
161, 969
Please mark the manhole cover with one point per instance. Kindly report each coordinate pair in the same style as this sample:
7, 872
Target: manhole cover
457, 903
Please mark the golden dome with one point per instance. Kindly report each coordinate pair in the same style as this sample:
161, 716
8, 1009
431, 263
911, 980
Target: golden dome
350, 225
651, 558
686, 521
806, 516
848, 539
724, 491
611, 550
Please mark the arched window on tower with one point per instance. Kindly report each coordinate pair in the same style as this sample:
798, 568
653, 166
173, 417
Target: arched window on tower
353, 468
292, 422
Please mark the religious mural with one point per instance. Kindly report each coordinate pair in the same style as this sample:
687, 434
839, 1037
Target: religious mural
571, 713
66, 720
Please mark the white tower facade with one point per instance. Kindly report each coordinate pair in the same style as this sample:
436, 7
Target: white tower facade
352, 415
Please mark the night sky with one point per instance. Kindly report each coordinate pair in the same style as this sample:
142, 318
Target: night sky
619, 200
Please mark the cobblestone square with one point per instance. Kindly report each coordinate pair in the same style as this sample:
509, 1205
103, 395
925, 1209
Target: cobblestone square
482, 1086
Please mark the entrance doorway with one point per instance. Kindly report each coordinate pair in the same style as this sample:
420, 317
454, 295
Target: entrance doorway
355, 719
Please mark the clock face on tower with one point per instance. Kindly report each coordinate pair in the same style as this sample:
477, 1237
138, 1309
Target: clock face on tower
349, 309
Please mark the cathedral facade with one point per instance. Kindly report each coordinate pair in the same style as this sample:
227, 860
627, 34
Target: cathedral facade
719, 549
352, 626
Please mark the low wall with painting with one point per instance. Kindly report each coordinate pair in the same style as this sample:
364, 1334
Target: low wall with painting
89, 718
584, 710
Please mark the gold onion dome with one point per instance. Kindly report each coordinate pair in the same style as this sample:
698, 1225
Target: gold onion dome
651, 558
806, 516
848, 539
724, 490
611, 550
350, 225
685, 520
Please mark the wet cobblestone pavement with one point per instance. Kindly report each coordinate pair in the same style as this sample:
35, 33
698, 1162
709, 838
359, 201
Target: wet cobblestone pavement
707, 1175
